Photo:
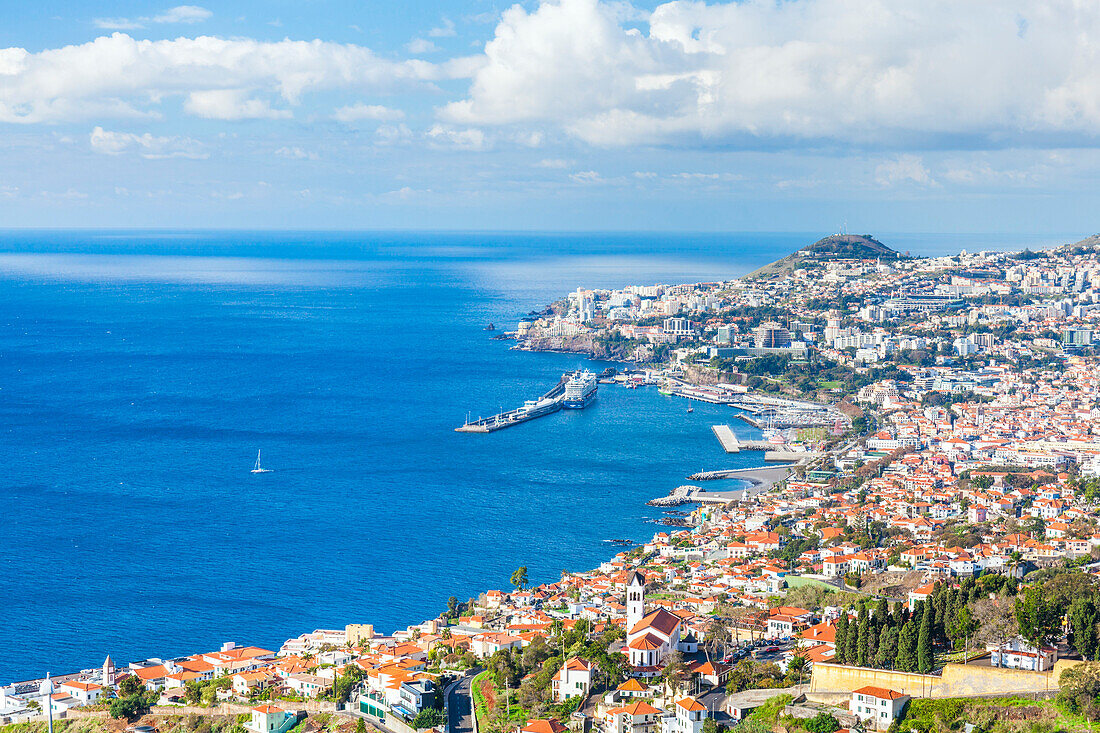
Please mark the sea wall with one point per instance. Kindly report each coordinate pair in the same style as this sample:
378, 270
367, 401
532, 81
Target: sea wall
956, 680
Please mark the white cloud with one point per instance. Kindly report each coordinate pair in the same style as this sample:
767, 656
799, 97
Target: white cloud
420, 46
183, 14
898, 73
554, 163
393, 134
231, 104
179, 14
903, 169
146, 145
444, 31
118, 24
295, 153
119, 76
359, 111
586, 177
462, 139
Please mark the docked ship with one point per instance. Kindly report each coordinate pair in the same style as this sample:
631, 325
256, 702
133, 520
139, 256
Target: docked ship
579, 390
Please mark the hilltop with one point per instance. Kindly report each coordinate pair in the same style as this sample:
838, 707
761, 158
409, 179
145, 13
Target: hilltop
833, 247
1088, 244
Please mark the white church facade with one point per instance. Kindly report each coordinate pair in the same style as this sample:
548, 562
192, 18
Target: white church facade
650, 637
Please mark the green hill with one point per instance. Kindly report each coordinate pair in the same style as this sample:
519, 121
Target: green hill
1088, 244
833, 247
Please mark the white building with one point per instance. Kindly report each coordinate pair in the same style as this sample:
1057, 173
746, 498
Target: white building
649, 637
574, 678
877, 706
687, 717
1018, 654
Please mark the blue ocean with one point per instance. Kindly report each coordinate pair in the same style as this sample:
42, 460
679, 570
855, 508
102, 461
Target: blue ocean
140, 373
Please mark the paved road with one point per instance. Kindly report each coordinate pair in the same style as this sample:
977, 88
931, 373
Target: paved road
460, 714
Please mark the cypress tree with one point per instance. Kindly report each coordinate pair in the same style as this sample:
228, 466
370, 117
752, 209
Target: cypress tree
842, 637
873, 636
887, 650
852, 643
882, 615
906, 659
925, 658
1083, 617
900, 615
863, 630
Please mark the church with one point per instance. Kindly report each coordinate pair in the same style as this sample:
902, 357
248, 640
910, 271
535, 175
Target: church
650, 637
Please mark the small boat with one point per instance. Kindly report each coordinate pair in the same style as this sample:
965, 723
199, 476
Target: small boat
258, 468
691, 409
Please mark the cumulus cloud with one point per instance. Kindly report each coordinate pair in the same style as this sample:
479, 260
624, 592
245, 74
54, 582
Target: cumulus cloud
903, 169
420, 46
183, 14
295, 153
462, 139
179, 14
586, 177
446, 30
147, 145
931, 73
359, 111
231, 104
119, 76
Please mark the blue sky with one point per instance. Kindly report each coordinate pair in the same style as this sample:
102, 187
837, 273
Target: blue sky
890, 115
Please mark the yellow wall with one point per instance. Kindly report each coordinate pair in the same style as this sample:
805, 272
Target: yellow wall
957, 680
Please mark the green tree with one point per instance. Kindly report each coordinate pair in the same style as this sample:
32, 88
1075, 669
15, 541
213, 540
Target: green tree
130, 686
841, 637
519, 577
863, 628
1038, 618
360, 726
131, 707
1083, 618
887, 650
346, 682
906, 659
925, 658
427, 718
822, 723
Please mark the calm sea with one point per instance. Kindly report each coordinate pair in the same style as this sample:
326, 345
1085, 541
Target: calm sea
140, 372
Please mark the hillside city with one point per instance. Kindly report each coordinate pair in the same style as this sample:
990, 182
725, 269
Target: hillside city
930, 561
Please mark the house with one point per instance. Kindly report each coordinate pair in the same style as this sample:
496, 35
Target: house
543, 725
637, 717
1018, 654
688, 715
307, 685
632, 688
270, 719
877, 706
574, 678
151, 677
923, 593
415, 696
245, 683
86, 693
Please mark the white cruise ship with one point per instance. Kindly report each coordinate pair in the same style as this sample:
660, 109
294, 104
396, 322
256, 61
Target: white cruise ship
579, 390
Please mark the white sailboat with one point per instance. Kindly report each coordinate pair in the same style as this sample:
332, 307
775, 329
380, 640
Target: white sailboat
258, 468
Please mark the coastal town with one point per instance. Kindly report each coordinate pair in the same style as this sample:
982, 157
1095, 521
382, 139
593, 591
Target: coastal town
927, 558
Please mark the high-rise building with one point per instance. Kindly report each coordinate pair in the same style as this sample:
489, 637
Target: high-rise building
771, 335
